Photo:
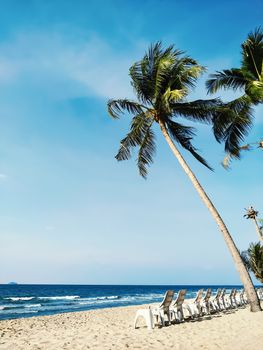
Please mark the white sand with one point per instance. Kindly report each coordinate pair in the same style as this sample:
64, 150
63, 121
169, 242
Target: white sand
113, 329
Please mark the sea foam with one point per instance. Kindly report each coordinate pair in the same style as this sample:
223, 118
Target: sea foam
19, 298
66, 297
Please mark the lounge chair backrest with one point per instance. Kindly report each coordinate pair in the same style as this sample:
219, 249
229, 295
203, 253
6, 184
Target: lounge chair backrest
199, 296
168, 297
231, 293
207, 295
180, 298
223, 293
235, 295
218, 293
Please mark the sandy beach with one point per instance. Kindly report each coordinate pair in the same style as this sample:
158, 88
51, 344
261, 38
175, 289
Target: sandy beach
113, 329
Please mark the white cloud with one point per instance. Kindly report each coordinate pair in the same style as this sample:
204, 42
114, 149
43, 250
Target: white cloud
92, 64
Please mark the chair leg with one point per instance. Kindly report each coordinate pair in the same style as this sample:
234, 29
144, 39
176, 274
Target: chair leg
162, 319
148, 317
180, 314
149, 320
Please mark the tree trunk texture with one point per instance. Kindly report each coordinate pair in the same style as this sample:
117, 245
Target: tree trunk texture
258, 230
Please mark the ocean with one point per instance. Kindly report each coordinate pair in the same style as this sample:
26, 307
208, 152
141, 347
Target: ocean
17, 301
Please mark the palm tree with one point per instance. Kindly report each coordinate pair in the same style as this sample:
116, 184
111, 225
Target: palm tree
251, 213
161, 81
253, 258
235, 118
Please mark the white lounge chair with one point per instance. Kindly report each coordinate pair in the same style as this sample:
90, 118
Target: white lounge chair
147, 315
216, 301
195, 308
177, 307
235, 298
231, 299
240, 298
206, 304
223, 302
164, 308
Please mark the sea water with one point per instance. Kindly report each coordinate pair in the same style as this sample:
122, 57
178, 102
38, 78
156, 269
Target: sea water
18, 301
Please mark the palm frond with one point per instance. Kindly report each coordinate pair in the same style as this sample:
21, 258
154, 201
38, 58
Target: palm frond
173, 82
139, 126
245, 258
234, 119
116, 108
229, 78
183, 135
239, 128
251, 213
252, 53
165, 100
184, 73
254, 89
198, 110
255, 259
148, 75
190, 72
163, 75
232, 122
167, 65
146, 152
142, 81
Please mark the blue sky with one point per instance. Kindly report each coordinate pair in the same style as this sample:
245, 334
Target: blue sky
69, 213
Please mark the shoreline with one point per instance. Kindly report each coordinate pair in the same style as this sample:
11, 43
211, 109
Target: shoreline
35, 300
112, 328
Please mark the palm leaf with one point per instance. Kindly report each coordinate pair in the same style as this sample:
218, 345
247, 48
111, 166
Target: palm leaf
162, 76
245, 258
116, 108
146, 152
239, 127
184, 73
148, 73
253, 259
142, 85
183, 135
139, 126
232, 122
255, 255
252, 53
229, 78
189, 71
198, 110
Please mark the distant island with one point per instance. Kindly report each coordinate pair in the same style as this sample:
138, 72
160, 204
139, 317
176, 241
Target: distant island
12, 283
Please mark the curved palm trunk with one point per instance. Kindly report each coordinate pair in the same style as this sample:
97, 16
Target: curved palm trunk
258, 230
244, 275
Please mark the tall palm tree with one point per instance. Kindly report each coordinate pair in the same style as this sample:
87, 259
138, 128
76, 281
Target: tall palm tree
161, 81
235, 119
253, 259
252, 214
